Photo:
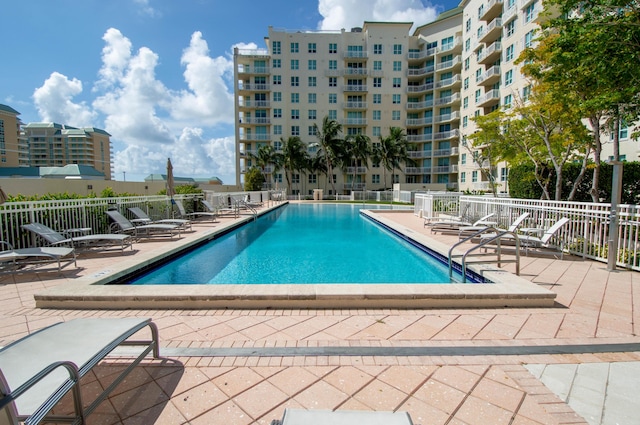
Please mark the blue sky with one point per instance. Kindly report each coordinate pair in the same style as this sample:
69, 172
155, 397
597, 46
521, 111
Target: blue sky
157, 74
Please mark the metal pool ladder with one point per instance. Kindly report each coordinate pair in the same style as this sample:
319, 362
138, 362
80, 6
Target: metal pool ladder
499, 235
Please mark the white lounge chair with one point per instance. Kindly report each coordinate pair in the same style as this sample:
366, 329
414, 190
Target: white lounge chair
37, 371
538, 243
466, 231
196, 214
143, 231
342, 417
143, 218
222, 208
14, 259
454, 226
95, 241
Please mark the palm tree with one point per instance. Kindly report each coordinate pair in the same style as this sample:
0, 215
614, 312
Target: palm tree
266, 156
392, 152
331, 144
359, 149
294, 157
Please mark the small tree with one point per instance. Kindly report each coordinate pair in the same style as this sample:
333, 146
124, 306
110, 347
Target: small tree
253, 179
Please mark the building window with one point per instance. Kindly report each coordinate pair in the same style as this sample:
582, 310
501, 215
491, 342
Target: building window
397, 49
468, 25
333, 64
333, 114
277, 113
375, 178
376, 131
508, 56
377, 115
467, 45
295, 114
311, 47
333, 81
528, 39
312, 81
295, 97
295, 130
312, 64
474, 176
447, 43
465, 103
504, 172
397, 82
377, 49
466, 83
276, 48
478, 74
333, 98
311, 130
377, 98
507, 101
311, 98
333, 47
508, 77
395, 115
312, 114
526, 91
277, 63
480, 11
511, 28
277, 129
295, 64
463, 159
467, 61
465, 121
295, 81
396, 99
397, 65
377, 82
277, 80
312, 177
377, 65
530, 12
294, 47
478, 94
277, 96
463, 177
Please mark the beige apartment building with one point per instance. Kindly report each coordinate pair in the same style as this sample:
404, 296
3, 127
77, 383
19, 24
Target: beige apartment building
56, 145
369, 79
14, 151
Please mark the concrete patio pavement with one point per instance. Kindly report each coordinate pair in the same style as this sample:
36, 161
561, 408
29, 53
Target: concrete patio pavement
443, 366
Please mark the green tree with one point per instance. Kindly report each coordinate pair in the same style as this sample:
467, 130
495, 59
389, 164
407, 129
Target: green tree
294, 157
253, 179
487, 144
267, 156
392, 152
331, 145
358, 150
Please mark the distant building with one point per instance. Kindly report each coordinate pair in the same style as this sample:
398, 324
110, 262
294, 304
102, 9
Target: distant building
14, 150
184, 180
69, 172
56, 145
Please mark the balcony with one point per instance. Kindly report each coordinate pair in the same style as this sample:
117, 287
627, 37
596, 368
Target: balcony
357, 88
492, 32
448, 82
354, 121
355, 55
417, 170
454, 116
444, 135
456, 45
420, 154
253, 87
420, 89
254, 120
492, 10
490, 98
490, 77
422, 54
509, 13
354, 105
447, 100
355, 71
443, 169
442, 152
412, 72
449, 64
253, 70
254, 104
255, 137
357, 170
415, 106
414, 138
417, 122
491, 53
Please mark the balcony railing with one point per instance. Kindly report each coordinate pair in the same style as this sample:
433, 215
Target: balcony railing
413, 72
412, 122
417, 170
420, 105
355, 105
420, 154
254, 87
420, 88
354, 121
426, 137
355, 88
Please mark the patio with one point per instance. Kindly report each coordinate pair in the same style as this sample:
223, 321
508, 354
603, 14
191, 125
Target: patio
443, 366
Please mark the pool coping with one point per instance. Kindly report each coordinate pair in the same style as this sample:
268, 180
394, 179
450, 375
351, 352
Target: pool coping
506, 289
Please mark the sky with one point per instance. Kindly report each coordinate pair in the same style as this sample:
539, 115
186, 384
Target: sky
158, 74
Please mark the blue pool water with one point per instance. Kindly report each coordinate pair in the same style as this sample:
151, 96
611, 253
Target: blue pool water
303, 243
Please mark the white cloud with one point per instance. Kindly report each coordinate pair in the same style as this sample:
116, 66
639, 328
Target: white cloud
347, 14
146, 9
54, 102
115, 57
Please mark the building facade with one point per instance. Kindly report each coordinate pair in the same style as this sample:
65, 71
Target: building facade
56, 145
14, 151
368, 79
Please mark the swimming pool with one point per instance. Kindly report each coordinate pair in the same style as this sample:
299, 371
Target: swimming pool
303, 244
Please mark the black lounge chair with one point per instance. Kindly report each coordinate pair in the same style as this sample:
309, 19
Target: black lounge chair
123, 225
143, 218
95, 241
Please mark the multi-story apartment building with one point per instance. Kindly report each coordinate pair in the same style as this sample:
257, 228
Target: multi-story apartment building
368, 79
56, 145
14, 151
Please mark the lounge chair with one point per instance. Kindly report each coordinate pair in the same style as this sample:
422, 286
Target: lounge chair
466, 231
101, 241
196, 214
222, 208
143, 218
252, 203
455, 225
342, 417
540, 244
14, 259
37, 371
123, 225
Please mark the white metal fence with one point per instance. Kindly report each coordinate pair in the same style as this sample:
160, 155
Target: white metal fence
586, 234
